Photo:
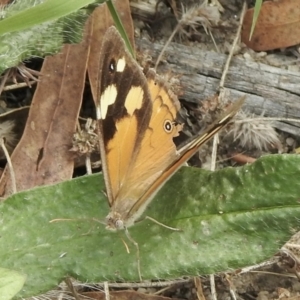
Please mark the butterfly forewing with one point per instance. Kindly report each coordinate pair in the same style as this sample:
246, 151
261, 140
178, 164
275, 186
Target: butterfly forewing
123, 111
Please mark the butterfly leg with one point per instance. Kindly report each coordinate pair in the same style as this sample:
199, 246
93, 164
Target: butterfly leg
163, 225
137, 252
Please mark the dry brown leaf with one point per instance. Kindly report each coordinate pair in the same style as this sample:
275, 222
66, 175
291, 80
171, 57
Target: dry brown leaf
3, 3
100, 21
242, 158
278, 26
125, 295
42, 156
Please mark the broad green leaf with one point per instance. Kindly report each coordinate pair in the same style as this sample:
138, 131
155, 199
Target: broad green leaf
11, 283
229, 219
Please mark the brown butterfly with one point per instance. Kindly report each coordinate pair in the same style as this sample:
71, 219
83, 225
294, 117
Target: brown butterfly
137, 124
137, 120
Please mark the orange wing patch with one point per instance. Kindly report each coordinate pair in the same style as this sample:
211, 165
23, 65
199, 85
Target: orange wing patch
156, 151
120, 151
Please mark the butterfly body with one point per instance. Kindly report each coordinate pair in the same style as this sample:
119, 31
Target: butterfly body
137, 123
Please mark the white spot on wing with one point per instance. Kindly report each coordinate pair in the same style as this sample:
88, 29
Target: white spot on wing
98, 113
121, 64
134, 99
107, 98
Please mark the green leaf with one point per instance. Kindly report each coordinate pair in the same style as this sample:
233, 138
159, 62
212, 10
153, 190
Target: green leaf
257, 9
49, 10
11, 283
229, 219
120, 27
40, 40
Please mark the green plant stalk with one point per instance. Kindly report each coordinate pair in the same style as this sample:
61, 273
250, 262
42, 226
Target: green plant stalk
257, 8
120, 27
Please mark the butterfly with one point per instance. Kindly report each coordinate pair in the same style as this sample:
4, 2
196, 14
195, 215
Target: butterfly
137, 118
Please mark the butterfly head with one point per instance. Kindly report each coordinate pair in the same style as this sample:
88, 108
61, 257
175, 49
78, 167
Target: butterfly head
114, 221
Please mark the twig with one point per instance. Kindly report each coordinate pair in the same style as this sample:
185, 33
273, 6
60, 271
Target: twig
226, 67
106, 290
214, 152
267, 119
213, 287
10, 166
145, 284
199, 290
166, 45
72, 289
88, 164
17, 85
